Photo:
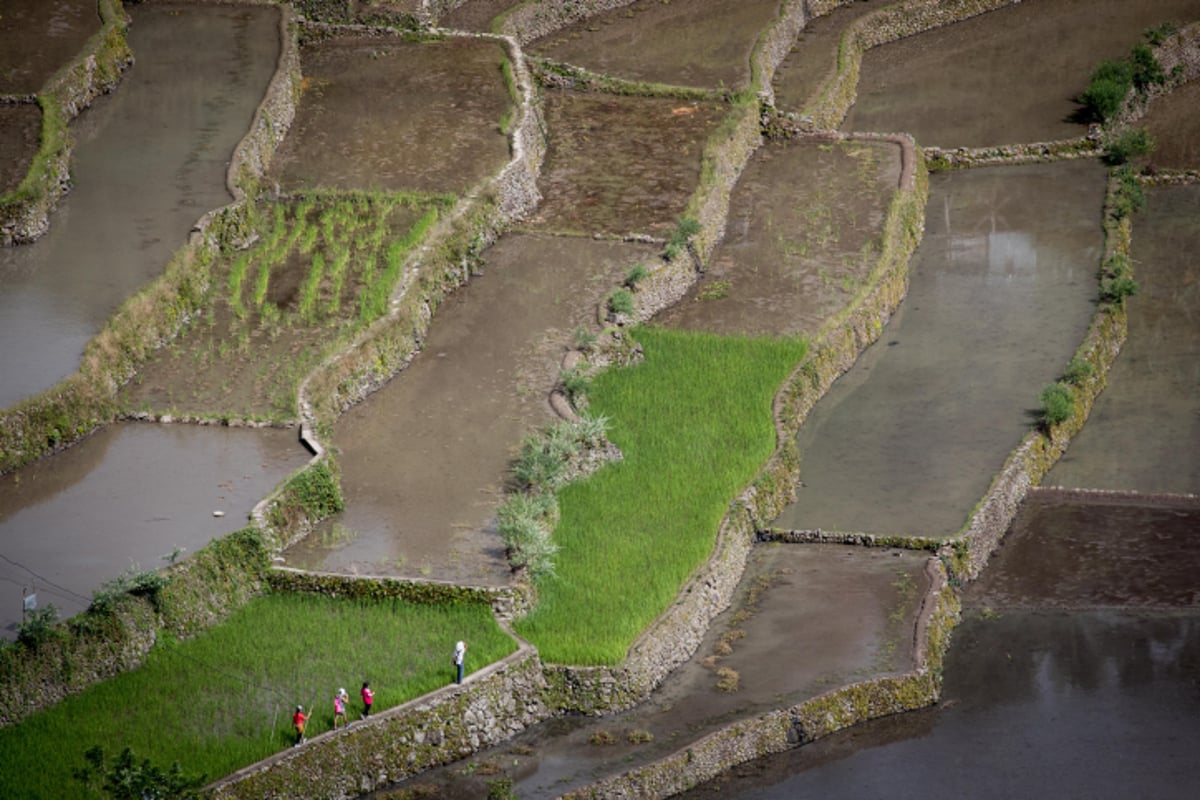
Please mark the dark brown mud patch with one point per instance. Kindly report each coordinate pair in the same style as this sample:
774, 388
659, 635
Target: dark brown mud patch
129, 495
703, 43
1174, 124
1077, 549
20, 137
38, 37
476, 15
1144, 431
1003, 77
383, 113
803, 234
814, 56
620, 165
424, 460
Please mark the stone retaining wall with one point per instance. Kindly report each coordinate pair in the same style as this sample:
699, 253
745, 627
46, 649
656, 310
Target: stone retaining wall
782, 729
491, 706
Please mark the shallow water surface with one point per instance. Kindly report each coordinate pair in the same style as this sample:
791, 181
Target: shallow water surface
1009, 75
151, 161
705, 43
1035, 704
20, 133
1174, 126
37, 37
814, 56
129, 494
1002, 290
424, 459
804, 222
1144, 431
382, 113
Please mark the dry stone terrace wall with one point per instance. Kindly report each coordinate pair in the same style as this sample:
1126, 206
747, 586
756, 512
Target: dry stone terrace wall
25, 212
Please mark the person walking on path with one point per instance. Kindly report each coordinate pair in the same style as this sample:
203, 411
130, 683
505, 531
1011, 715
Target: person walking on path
299, 719
339, 708
368, 697
460, 655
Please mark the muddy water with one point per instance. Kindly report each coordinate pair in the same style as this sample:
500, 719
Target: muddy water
37, 37
1036, 704
1175, 127
148, 165
1010, 75
129, 494
804, 619
1001, 293
814, 56
382, 113
1144, 431
620, 165
704, 43
802, 234
1079, 549
20, 133
424, 460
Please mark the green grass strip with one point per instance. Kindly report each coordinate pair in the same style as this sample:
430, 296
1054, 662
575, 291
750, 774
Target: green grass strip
224, 699
694, 422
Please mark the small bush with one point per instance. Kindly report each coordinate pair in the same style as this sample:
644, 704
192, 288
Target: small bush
639, 736
1078, 371
1161, 32
620, 302
1058, 404
1129, 143
585, 340
684, 230
38, 626
729, 679
127, 779
575, 383
1129, 196
1107, 89
1115, 290
501, 789
637, 273
1147, 71
602, 737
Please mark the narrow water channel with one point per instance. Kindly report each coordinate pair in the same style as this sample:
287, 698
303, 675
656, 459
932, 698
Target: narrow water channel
151, 159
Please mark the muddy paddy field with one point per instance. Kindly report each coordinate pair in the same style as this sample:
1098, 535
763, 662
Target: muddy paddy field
61, 28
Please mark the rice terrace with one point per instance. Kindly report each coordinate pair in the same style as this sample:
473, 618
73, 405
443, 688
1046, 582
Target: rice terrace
773, 398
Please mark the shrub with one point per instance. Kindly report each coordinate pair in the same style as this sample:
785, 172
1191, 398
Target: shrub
542, 461
620, 302
575, 383
1128, 196
1058, 404
127, 779
38, 626
1146, 70
1129, 143
1078, 371
1159, 33
637, 273
585, 340
684, 230
1107, 89
602, 737
1115, 290
728, 679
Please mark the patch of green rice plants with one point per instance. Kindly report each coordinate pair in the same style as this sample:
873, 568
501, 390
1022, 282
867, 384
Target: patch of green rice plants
337, 278
308, 289
694, 423
237, 275
262, 282
224, 699
373, 298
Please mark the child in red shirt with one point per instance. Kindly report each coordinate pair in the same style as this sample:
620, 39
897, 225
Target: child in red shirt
367, 697
298, 721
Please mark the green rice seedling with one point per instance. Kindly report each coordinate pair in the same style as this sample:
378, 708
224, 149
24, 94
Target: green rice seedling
694, 423
224, 699
237, 275
341, 263
310, 287
262, 283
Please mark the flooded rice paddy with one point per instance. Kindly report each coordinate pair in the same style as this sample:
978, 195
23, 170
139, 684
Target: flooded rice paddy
1003, 287
1009, 75
1144, 431
814, 56
620, 165
148, 164
475, 15
424, 460
62, 26
802, 236
708, 46
385, 114
129, 495
20, 132
1174, 126
805, 619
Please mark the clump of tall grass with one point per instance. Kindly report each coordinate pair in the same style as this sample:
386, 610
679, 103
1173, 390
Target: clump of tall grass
694, 424
681, 235
525, 522
1057, 404
223, 699
1116, 281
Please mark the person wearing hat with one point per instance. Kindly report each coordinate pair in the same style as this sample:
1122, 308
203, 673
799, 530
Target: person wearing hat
298, 721
339, 708
460, 656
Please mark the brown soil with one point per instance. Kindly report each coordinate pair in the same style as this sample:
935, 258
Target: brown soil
1175, 127
20, 134
382, 113
476, 15
38, 37
704, 43
801, 238
1069, 549
620, 165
